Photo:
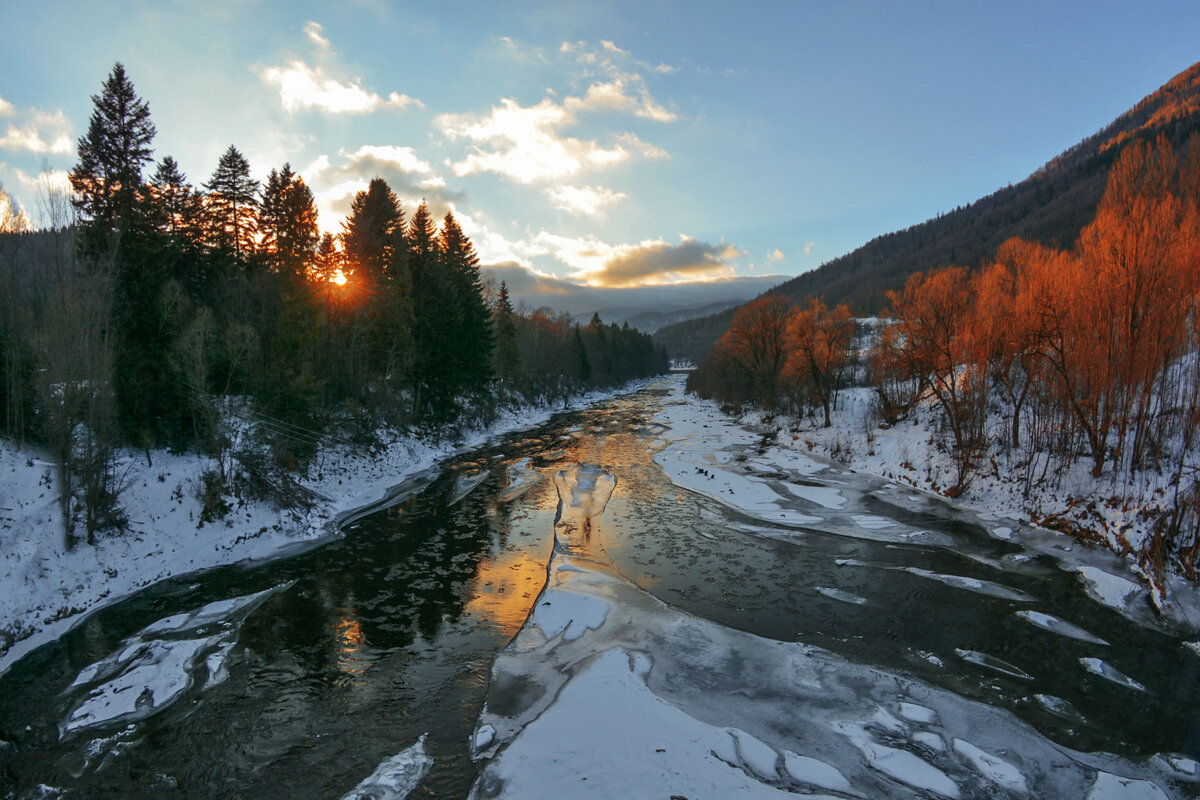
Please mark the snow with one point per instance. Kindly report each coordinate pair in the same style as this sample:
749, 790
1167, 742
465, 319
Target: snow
1112, 787
397, 777
48, 590
901, 764
841, 595
994, 768
1113, 591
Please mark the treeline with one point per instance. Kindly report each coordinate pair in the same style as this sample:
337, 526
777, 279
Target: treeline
153, 313
1089, 353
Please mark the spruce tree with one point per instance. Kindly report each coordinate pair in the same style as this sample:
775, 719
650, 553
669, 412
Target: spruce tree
372, 233
108, 178
288, 222
232, 206
507, 358
472, 337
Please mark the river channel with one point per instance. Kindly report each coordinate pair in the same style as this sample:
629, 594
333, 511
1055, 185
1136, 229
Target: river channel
296, 678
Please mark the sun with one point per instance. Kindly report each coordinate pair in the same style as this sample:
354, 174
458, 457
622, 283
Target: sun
338, 278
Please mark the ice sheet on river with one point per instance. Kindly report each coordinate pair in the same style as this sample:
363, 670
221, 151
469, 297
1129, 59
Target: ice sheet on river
640, 699
157, 665
521, 478
396, 778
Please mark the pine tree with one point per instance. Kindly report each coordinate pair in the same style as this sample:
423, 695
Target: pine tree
372, 233
472, 337
507, 357
108, 178
288, 222
232, 205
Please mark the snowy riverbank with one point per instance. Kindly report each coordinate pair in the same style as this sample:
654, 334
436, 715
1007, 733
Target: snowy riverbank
48, 590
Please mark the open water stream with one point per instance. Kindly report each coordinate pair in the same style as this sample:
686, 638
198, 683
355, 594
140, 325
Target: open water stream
297, 678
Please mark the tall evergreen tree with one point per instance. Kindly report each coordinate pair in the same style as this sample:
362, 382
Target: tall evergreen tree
507, 357
108, 178
372, 233
472, 336
288, 223
232, 206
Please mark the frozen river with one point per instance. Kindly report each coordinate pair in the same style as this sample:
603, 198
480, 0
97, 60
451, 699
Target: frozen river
638, 600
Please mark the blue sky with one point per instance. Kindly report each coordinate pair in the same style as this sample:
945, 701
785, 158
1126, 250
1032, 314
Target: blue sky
608, 145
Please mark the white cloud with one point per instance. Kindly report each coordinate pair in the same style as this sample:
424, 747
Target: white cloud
774, 256
809, 246
27, 137
42, 132
316, 34
304, 87
525, 144
588, 201
335, 182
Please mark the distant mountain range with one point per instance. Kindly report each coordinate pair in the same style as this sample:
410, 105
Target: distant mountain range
1051, 206
650, 320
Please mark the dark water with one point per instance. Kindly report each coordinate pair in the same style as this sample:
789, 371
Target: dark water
366, 643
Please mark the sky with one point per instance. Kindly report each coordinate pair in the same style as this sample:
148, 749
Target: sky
639, 153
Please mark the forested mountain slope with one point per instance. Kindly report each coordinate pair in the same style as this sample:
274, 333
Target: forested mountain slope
1051, 207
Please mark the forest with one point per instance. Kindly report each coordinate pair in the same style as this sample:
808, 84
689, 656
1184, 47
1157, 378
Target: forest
151, 313
1084, 354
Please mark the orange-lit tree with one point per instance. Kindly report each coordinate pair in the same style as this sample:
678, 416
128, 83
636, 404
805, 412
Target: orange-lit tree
819, 351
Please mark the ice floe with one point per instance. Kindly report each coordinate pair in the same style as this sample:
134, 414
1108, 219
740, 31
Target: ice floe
396, 778
841, 595
1059, 626
465, 483
993, 663
1110, 673
157, 665
521, 478
976, 585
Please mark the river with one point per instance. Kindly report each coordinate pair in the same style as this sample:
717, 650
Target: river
956, 651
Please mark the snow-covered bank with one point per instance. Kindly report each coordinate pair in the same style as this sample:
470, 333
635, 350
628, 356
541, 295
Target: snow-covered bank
47, 590
761, 470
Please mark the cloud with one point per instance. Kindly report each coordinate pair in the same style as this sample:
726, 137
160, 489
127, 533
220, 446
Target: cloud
528, 144
809, 246
525, 144
334, 183
776, 255
535, 289
658, 263
303, 87
316, 34
587, 201
42, 132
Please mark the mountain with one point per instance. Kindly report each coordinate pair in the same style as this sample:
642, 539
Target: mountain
649, 320
1051, 206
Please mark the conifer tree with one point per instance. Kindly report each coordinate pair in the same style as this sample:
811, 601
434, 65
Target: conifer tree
372, 233
507, 358
288, 222
472, 337
108, 178
232, 205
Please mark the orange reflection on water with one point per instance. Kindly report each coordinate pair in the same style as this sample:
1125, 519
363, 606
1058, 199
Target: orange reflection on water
505, 589
354, 655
